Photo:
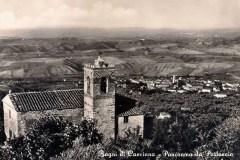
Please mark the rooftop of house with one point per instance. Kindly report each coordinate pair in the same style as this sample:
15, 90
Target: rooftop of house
47, 100
164, 114
136, 111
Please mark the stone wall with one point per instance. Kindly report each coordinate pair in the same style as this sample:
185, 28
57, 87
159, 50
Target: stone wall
97, 105
133, 123
10, 120
88, 106
104, 113
104, 103
88, 73
95, 76
25, 119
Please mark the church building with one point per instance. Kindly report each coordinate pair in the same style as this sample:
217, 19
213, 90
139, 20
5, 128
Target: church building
96, 100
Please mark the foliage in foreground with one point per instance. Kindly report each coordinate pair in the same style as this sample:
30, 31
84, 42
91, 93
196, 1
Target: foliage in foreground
227, 138
174, 135
49, 137
183, 133
110, 147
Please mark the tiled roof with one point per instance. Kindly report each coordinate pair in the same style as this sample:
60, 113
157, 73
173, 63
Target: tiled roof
132, 112
47, 100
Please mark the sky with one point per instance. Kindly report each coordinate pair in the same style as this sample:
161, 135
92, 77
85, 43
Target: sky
177, 14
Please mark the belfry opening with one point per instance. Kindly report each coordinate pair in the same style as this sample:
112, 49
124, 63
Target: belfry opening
103, 85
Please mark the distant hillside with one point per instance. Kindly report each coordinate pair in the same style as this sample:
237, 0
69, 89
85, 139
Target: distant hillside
54, 48
148, 66
163, 69
180, 54
95, 45
9, 49
38, 68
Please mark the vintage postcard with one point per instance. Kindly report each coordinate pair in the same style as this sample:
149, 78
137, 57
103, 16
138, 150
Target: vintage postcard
119, 79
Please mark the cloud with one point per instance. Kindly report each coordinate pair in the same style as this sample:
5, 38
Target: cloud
100, 15
182, 14
8, 20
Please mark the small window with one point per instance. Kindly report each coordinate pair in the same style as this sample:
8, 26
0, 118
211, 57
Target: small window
10, 134
10, 115
125, 119
103, 85
88, 85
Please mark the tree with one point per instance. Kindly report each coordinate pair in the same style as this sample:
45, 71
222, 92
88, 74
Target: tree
2, 134
133, 142
90, 133
226, 139
175, 135
5, 154
46, 138
49, 137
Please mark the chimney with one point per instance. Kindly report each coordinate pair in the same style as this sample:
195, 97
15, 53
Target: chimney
10, 92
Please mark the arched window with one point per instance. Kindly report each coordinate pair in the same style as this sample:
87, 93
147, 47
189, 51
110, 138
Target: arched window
88, 85
103, 85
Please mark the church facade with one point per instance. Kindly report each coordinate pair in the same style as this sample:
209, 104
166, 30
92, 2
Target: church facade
96, 100
23, 109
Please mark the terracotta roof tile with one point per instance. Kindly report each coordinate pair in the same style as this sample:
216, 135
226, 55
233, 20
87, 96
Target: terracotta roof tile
47, 100
132, 112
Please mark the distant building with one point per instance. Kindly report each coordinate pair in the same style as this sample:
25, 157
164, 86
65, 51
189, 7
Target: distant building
173, 78
134, 81
151, 85
197, 87
185, 109
172, 90
206, 90
228, 88
186, 88
162, 86
216, 89
220, 95
163, 115
181, 91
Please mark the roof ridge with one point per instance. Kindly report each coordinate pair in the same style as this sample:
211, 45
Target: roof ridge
44, 91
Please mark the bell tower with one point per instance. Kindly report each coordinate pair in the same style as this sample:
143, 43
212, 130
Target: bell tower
99, 95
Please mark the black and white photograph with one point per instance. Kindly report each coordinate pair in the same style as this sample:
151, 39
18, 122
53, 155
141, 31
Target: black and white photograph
119, 80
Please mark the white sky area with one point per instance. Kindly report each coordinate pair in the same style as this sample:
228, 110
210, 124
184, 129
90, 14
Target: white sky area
178, 14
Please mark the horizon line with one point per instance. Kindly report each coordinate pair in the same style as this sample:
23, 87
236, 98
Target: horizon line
124, 28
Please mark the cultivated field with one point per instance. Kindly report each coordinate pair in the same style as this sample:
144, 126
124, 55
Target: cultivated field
152, 55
